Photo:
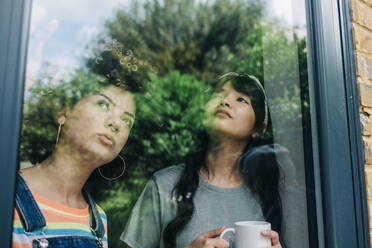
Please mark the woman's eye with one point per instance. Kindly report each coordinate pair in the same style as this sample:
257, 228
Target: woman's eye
241, 99
128, 122
103, 104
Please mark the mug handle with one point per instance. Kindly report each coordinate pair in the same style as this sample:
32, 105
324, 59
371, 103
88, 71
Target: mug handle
226, 231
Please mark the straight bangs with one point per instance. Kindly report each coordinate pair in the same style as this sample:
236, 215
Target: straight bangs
251, 87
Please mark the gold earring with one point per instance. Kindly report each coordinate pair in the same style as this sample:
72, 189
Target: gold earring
114, 178
58, 133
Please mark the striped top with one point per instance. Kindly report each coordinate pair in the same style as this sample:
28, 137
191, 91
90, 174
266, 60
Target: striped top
61, 221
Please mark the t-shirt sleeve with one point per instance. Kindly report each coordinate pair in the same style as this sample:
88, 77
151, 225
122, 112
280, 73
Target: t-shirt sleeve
143, 229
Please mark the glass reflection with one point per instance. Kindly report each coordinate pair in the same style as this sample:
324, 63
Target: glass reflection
171, 53
231, 177
52, 202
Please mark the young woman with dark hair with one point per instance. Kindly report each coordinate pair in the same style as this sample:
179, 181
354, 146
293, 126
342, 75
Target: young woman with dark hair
189, 205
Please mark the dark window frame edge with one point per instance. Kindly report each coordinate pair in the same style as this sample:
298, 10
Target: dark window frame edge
339, 21
14, 24
356, 142
21, 9
314, 129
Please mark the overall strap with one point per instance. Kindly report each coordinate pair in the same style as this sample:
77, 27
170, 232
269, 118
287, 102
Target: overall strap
95, 218
27, 208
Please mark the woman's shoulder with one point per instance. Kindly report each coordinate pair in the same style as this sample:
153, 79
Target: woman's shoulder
167, 178
102, 214
101, 211
174, 170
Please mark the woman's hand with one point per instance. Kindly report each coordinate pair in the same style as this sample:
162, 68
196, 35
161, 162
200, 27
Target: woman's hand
209, 240
274, 236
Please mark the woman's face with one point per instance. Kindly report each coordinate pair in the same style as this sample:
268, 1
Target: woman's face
230, 114
100, 123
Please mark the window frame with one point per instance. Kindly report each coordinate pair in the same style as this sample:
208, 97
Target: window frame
339, 182
336, 100
14, 27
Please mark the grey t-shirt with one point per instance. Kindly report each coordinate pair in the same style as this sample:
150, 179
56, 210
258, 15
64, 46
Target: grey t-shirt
214, 207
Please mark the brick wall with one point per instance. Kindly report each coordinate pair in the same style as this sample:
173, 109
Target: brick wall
362, 29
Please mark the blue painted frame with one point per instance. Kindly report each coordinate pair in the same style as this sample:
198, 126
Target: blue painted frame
338, 155
356, 141
14, 26
336, 101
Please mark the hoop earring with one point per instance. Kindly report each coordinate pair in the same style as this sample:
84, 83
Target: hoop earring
114, 178
58, 133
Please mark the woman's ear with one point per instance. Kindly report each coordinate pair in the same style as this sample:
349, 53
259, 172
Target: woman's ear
61, 119
63, 115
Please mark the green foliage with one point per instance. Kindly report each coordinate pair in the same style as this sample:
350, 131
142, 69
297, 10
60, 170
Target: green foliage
156, 47
169, 121
170, 115
249, 59
193, 38
290, 100
280, 62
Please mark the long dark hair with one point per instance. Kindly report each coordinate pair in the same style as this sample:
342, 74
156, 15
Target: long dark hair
257, 177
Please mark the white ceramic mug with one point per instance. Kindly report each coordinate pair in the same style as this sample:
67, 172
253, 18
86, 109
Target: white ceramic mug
248, 234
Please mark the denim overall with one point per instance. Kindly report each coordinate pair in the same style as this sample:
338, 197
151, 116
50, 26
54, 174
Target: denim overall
32, 219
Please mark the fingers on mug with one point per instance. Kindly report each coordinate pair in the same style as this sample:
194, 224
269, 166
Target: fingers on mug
248, 234
226, 231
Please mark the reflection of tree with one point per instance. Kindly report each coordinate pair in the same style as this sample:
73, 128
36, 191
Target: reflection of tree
287, 61
194, 38
158, 46
168, 125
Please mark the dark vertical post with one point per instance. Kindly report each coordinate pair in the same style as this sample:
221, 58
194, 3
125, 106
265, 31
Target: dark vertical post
356, 141
14, 26
336, 101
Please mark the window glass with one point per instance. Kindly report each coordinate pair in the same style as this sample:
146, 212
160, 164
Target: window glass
130, 88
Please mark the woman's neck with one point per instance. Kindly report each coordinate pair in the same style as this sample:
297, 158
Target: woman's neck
222, 163
61, 177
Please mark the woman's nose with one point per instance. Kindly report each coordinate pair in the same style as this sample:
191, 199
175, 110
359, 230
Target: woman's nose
114, 128
226, 101
113, 123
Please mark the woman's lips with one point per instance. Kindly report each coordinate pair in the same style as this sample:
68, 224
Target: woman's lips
223, 114
106, 140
